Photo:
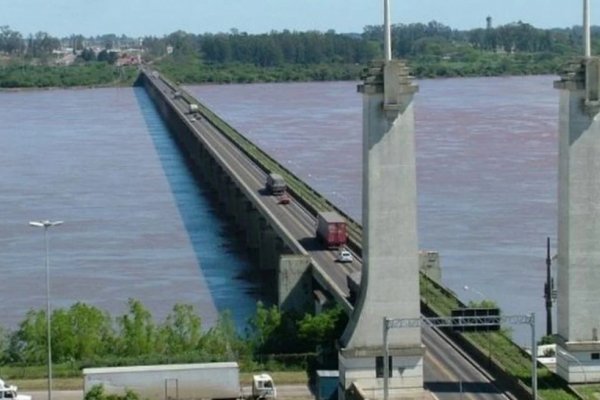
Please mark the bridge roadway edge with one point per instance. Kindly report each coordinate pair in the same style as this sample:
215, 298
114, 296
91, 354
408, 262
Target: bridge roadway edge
169, 113
259, 221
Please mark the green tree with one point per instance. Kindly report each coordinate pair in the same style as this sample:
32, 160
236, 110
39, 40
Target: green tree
29, 342
92, 330
324, 328
263, 324
108, 56
11, 41
182, 330
97, 393
88, 54
222, 341
137, 329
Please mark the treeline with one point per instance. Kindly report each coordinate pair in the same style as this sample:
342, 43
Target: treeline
42, 44
431, 49
83, 335
23, 75
267, 50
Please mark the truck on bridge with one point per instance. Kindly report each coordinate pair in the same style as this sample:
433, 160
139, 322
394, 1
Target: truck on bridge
275, 184
332, 229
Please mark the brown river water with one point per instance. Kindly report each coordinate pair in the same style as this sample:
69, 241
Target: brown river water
486, 166
137, 226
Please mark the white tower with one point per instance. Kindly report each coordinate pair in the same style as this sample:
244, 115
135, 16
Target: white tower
578, 355
390, 275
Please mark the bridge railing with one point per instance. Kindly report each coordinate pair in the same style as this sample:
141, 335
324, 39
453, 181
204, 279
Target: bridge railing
310, 199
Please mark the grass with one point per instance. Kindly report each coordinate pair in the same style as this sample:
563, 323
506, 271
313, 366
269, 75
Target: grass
589, 392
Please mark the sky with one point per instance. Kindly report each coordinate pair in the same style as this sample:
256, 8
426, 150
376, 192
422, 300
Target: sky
137, 18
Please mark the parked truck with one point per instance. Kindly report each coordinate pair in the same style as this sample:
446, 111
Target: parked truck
263, 387
10, 392
218, 380
332, 229
275, 184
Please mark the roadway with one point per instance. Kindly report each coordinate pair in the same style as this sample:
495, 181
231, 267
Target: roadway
447, 370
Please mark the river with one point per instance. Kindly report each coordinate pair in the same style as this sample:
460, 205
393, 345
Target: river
486, 166
136, 224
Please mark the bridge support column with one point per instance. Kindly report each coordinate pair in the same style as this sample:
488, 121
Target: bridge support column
205, 161
294, 282
390, 275
267, 252
578, 354
255, 221
240, 206
223, 182
212, 172
230, 192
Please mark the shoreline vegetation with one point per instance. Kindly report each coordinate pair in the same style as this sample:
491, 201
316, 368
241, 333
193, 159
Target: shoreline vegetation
271, 339
431, 50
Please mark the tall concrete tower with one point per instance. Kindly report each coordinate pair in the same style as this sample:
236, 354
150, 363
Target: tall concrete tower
578, 355
390, 275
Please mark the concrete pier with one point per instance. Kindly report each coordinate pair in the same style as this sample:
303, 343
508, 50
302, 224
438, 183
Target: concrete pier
390, 276
578, 353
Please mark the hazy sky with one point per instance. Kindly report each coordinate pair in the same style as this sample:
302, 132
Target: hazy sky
159, 17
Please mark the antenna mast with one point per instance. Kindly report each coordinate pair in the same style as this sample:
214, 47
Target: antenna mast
387, 36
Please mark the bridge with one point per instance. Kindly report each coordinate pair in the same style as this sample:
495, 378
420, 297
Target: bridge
282, 237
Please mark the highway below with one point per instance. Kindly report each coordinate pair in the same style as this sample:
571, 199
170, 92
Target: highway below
448, 372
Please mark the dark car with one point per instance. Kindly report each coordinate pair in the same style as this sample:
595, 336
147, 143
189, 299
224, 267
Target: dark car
283, 199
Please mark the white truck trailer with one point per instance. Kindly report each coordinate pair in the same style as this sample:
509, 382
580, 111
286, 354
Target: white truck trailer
175, 381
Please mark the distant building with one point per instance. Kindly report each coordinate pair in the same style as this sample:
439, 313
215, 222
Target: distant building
488, 21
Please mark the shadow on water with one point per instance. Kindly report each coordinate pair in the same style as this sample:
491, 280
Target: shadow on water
221, 255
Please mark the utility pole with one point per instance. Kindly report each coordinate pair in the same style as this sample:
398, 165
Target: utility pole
548, 289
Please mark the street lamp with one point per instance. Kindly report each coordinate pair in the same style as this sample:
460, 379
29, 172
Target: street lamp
47, 224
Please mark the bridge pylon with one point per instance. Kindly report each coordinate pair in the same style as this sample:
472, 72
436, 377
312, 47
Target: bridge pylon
390, 274
578, 322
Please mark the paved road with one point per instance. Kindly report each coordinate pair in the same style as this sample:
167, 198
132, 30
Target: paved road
447, 371
450, 372
297, 392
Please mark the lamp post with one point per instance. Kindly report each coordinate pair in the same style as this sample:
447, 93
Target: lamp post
47, 224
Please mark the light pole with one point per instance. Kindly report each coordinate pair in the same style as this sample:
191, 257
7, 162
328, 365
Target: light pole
47, 224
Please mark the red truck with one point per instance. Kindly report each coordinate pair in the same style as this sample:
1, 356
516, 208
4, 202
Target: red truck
331, 229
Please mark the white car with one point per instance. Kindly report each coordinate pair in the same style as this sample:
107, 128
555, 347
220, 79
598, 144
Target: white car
345, 256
